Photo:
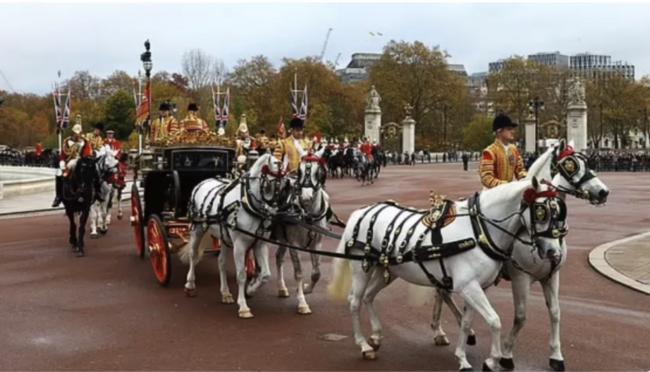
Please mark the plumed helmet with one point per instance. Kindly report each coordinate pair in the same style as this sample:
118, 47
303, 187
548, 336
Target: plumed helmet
76, 128
502, 121
297, 123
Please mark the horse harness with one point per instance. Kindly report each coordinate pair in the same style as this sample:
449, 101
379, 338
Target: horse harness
568, 166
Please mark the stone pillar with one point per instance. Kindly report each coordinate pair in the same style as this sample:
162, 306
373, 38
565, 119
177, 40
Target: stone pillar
576, 121
408, 135
576, 130
372, 121
529, 132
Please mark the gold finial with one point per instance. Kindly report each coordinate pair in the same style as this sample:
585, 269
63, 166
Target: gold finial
436, 200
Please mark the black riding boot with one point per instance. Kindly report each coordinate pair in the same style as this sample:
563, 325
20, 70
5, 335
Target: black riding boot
58, 185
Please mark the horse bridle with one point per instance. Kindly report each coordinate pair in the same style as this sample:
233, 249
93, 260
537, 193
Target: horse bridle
568, 166
307, 182
271, 186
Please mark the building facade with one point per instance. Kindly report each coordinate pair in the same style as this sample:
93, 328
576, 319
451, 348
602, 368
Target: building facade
595, 66
554, 59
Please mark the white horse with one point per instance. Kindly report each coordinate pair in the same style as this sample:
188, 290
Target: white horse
118, 183
314, 203
493, 220
106, 165
570, 174
236, 213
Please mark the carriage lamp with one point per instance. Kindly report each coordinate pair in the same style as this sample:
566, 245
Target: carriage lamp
146, 59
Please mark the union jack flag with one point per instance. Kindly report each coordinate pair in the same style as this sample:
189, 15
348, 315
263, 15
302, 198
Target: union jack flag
65, 119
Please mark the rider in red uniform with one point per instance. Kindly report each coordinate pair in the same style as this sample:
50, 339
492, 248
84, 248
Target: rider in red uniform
118, 178
366, 148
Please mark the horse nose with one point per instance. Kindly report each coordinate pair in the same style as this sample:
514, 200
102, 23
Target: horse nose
603, 194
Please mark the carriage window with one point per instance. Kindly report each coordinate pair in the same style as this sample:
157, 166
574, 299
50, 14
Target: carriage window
200, 160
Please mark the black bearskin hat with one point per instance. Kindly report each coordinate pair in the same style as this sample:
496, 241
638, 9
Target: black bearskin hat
99, 126
297, 122
192, 107
165, 106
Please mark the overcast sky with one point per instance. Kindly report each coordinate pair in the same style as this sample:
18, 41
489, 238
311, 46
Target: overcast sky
36, 40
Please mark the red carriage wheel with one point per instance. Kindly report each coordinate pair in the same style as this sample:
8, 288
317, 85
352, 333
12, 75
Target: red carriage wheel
159, 250
136, 220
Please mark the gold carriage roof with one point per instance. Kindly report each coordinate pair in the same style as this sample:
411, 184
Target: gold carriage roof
195, 137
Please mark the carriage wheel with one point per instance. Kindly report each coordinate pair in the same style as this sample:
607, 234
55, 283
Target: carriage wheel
136, 221
159, 250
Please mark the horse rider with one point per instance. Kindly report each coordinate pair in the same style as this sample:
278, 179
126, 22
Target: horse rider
501, 162
245, 144
291, 149
70, 153
165, 125
366, 148
112, 142
95, 138
192, 122
263, 142
118, 178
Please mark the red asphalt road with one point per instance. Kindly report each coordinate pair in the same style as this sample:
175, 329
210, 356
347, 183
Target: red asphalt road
105, 311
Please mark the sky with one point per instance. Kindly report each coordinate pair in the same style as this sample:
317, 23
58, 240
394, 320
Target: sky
37, 40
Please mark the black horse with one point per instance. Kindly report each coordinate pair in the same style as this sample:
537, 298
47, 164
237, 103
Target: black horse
78, 195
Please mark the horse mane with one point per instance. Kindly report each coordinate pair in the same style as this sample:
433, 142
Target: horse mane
510, 193
256, 168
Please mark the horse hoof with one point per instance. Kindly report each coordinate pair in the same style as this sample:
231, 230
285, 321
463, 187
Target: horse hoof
441, 340
471, 340
486, 368
507, 364
307, 288
556, 365
283, 293
94, 236
466, 369
119, 216
227, 299
245, 314
190, 292
375, 343
80, 253
369, 355
304, 310
103, 231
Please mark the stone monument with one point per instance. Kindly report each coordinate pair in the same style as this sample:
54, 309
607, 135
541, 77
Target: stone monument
576, 120
530, 128
373, 116
408, 131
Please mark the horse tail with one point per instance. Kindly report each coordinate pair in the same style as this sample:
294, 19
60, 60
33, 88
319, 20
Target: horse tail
341, 282
185, 252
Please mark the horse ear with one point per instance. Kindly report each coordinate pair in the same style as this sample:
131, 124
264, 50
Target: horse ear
535, 183
562, 144
571, 144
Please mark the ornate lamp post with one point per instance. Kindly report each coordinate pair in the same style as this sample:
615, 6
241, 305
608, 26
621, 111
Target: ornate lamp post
147, 64
535, 106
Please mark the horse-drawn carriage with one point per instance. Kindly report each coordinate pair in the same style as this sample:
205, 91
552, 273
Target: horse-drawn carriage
167, 173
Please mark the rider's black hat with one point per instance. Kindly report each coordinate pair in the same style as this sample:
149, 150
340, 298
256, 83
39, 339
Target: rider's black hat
165, 106
192, 107
502, 121
297, 122
99, 126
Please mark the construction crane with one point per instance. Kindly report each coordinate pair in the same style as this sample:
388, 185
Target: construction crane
336, 61
11, 89
327, 39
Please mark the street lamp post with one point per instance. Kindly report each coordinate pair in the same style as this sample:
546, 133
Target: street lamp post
535, 106
147, 64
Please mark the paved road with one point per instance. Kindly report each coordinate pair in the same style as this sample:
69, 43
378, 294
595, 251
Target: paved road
105, 311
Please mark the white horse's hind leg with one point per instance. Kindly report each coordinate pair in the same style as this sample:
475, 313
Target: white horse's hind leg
439, 335
283, 292
359, 282
196, 234
376, 284
520, 289
475, 297
446, 296
551, 294
94, 216
315, 266
226, 296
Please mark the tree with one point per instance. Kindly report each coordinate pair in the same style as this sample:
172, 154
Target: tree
120, 114
478, 133
252, 91
414, 74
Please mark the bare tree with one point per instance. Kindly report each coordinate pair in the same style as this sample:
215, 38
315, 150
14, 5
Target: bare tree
202, 69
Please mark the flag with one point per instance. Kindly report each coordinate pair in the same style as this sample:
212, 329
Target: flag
225, 113
282, 132
303, 105
216, 102
58, 113
294, 101
65, 118
144, 109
